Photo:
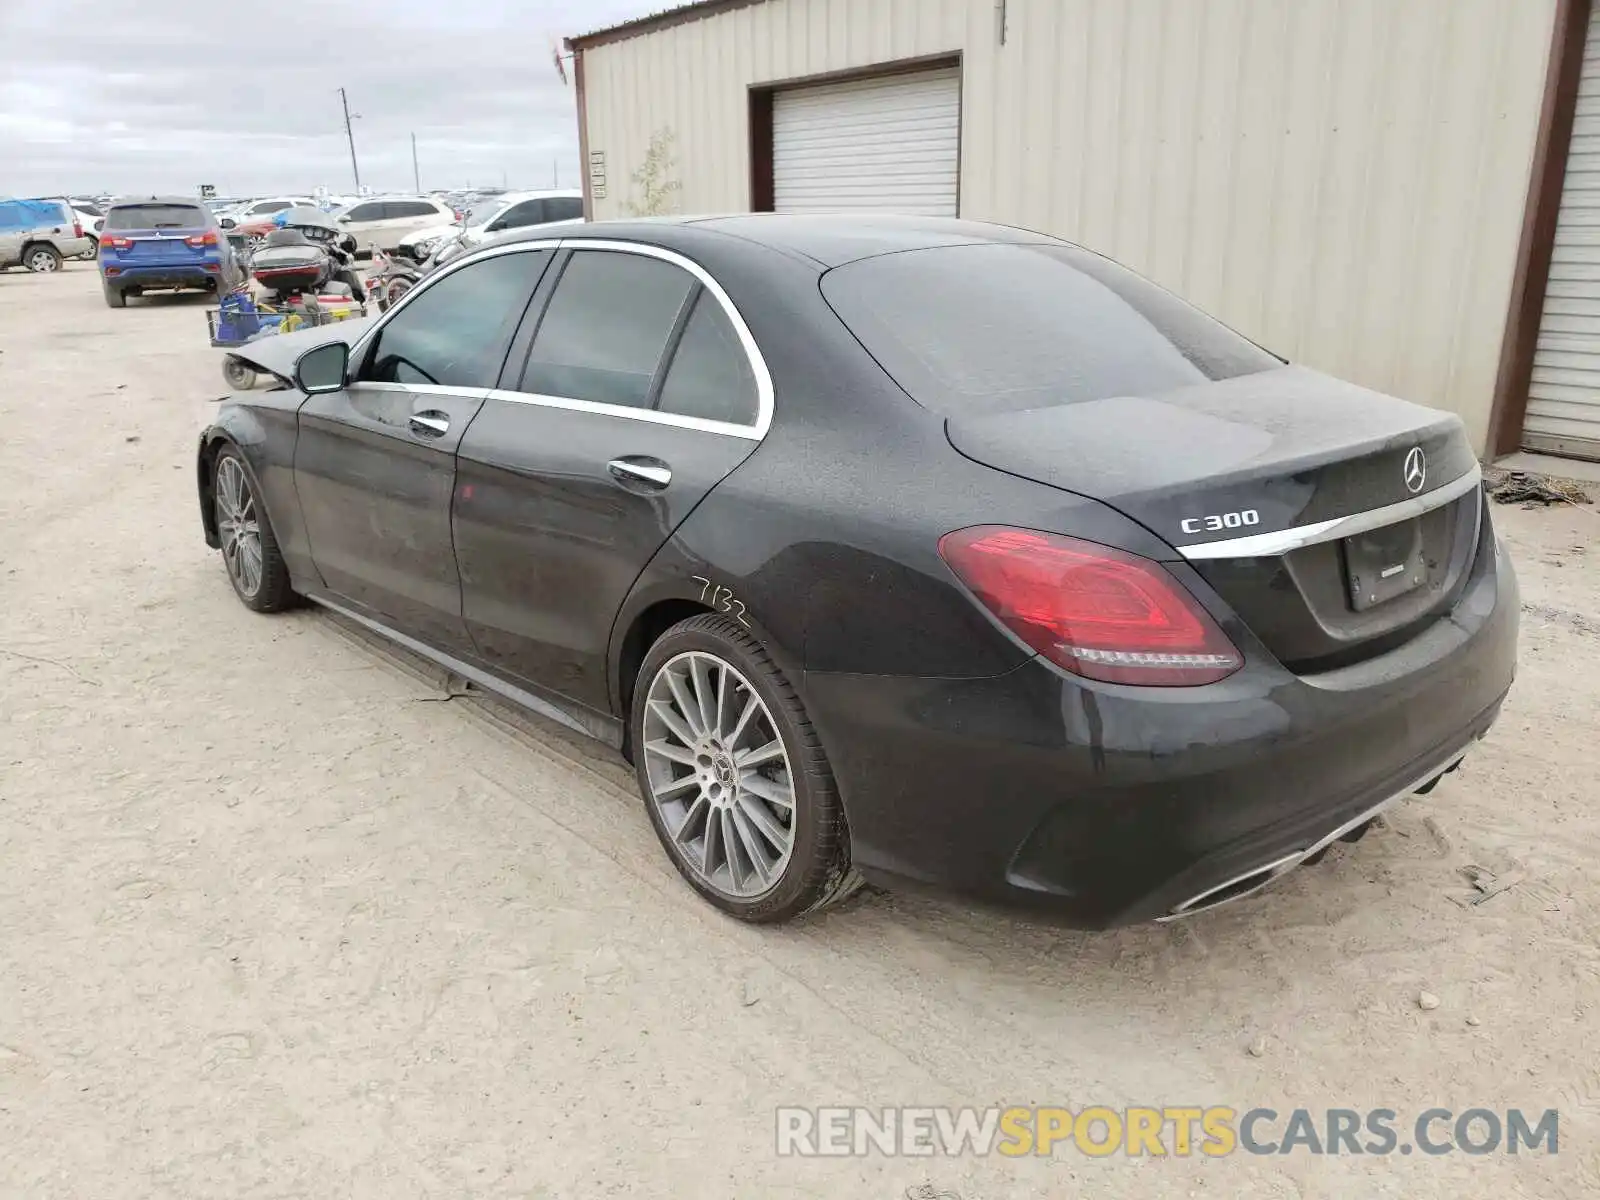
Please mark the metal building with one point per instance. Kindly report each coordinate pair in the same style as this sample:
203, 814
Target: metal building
1405, 193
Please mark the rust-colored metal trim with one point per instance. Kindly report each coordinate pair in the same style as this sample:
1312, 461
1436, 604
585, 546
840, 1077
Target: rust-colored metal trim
898, 66
1510, 406
583, 136
681, 15
762, 186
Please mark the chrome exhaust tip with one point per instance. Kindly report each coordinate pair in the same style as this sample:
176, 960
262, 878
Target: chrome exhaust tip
1237, 888
1253, 880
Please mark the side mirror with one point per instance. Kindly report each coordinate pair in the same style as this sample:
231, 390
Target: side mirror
322, 369
344, 220
229, 223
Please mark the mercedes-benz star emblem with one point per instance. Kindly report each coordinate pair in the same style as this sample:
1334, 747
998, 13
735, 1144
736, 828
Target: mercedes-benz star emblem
1416, 472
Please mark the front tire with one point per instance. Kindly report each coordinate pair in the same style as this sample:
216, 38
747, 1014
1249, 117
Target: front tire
734, 777
249, 550
240, 375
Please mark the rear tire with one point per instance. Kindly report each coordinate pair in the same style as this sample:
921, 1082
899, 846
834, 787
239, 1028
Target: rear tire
115, 297
249, 550
749, 781
42, 259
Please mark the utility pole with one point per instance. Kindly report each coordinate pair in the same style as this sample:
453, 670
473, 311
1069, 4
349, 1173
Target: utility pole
416, 173
555, 171
354, 169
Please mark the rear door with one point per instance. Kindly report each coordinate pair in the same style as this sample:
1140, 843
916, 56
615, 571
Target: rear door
402, 217
375, 462
639, 390
363, 220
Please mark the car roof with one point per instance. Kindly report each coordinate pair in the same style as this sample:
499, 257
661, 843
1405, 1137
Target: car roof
539, 194
829, 241
125, 201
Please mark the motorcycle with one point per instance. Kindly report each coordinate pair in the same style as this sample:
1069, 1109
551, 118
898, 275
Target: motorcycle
391, 277
307, 255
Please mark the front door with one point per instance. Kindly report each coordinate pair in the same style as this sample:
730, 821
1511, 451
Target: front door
636, 399
375, 463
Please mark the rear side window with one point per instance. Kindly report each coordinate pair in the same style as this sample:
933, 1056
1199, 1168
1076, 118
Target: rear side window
606, 327
998, 328
455, 332
710, 376
158, 216
408, 208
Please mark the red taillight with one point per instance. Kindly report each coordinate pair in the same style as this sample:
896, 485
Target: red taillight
202, 239
1097, 612
77, 229
107, 242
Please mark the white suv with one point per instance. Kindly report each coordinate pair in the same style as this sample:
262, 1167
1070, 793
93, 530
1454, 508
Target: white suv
384, 221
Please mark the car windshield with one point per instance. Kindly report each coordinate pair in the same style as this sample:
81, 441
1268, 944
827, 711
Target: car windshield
157, 216
1003, 327
89, 207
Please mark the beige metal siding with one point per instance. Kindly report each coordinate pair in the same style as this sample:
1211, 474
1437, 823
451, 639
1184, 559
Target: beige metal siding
1342, 180
1564, 396
869, 145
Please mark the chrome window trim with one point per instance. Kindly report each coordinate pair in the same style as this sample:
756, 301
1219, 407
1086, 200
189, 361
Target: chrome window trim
651, 415
432, 389
1266, 545
758, 364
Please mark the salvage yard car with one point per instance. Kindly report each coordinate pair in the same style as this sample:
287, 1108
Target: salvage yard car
163, 244
921, 551
47, 232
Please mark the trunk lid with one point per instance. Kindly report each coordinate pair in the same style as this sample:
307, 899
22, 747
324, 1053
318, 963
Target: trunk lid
1223, 471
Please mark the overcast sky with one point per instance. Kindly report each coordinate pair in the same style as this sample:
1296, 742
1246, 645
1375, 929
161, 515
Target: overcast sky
129, 96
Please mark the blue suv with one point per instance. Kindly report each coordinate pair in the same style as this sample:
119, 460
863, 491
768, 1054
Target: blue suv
163, 243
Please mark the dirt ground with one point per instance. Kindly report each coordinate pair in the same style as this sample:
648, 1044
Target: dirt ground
279, 919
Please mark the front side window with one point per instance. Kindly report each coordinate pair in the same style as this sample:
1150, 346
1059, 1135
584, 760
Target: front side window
454, 333
529, 212
365, 212
606, 328
563, 208
710, 376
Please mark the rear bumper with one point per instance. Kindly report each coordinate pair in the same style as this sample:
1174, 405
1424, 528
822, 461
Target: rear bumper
1107, 805
163, 275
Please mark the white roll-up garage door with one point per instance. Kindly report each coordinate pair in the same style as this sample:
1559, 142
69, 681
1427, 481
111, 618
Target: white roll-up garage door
890, 144
1564, 398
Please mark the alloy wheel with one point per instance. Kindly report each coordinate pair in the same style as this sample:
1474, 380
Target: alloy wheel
42, 261
719, 775
239, 526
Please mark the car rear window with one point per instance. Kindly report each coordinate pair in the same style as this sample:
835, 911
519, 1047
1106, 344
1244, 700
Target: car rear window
1002, 327
157, 216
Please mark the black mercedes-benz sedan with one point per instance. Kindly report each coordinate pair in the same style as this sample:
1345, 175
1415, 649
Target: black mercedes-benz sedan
918, 551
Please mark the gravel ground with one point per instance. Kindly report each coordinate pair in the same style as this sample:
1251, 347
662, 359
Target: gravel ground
280, 918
